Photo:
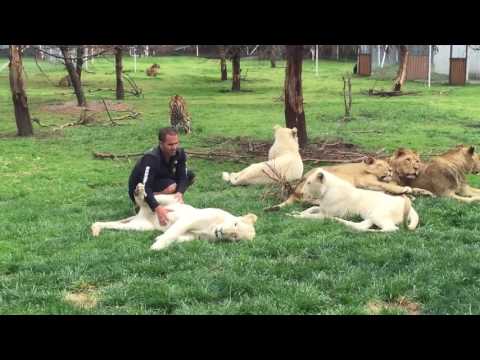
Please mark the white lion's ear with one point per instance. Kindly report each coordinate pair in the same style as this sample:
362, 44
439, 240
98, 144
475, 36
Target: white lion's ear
369, 160
250, 218
294, 130
320, 176
276, 127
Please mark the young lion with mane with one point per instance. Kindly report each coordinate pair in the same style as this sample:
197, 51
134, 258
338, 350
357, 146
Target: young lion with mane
444, 175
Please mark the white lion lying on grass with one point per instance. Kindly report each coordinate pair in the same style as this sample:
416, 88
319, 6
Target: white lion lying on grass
338, 198
284, 162
186, 223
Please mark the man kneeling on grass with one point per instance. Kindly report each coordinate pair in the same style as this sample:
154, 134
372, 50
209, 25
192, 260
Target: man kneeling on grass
162, 170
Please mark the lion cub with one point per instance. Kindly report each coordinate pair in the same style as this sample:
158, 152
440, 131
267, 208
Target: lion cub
444, 175
336, 198
371, 174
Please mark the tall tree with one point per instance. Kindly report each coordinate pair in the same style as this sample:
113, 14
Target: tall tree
77, 86
402, 69
235, 56
19, 97
294, 112
223, 62
119, 72
81, 54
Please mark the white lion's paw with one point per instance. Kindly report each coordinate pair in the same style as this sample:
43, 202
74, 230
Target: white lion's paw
407, 190
140, 190
295, 214
158, 245
226, 176
96, 229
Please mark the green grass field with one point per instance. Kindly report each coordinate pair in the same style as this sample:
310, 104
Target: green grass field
52, 189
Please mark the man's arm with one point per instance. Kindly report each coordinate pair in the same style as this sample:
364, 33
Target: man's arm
149, 171
181, 172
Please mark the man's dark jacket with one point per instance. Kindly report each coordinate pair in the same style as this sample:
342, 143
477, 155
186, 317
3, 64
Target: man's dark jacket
160, 173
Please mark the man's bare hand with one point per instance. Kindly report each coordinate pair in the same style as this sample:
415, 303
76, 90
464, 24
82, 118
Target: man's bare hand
162, 215
179, 197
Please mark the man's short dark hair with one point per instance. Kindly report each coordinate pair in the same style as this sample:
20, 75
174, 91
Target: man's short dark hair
162, 134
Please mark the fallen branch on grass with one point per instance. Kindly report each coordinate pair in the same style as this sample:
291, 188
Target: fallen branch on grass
195, 153
100, 155
372, 92
286, 187
108, 113
367, 131
40, 124
89, 119
339, 161
95, 90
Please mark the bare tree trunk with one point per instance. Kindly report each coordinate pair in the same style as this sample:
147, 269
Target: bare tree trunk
402, 69
272, 56
119, 71
77, 86
294, 112
223, 62
347, 96
80, 56
236, 70
19, 97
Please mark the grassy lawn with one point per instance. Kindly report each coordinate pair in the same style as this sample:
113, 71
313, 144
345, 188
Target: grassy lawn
52, 189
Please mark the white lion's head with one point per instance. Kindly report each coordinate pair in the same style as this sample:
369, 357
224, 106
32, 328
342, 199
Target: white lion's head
237, 228
316, 184
288, 138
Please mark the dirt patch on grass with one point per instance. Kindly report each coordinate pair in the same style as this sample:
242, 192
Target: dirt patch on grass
71, 107
37, 134
318, 150
83, 298
402, 303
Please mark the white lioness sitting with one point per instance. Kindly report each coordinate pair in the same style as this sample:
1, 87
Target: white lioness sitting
283, 157
186, 223
338, 198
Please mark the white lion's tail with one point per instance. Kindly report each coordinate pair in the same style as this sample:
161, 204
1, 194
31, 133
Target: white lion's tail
410, 215
413, 219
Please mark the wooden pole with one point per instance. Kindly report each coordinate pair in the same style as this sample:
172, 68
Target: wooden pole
450, 66
429, 65
316, 60
134, 60
466, 63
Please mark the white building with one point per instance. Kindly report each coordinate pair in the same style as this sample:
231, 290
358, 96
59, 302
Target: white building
441, 59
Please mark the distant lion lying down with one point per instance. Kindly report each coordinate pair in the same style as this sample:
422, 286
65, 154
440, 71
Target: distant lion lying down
186, 223
337, 198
